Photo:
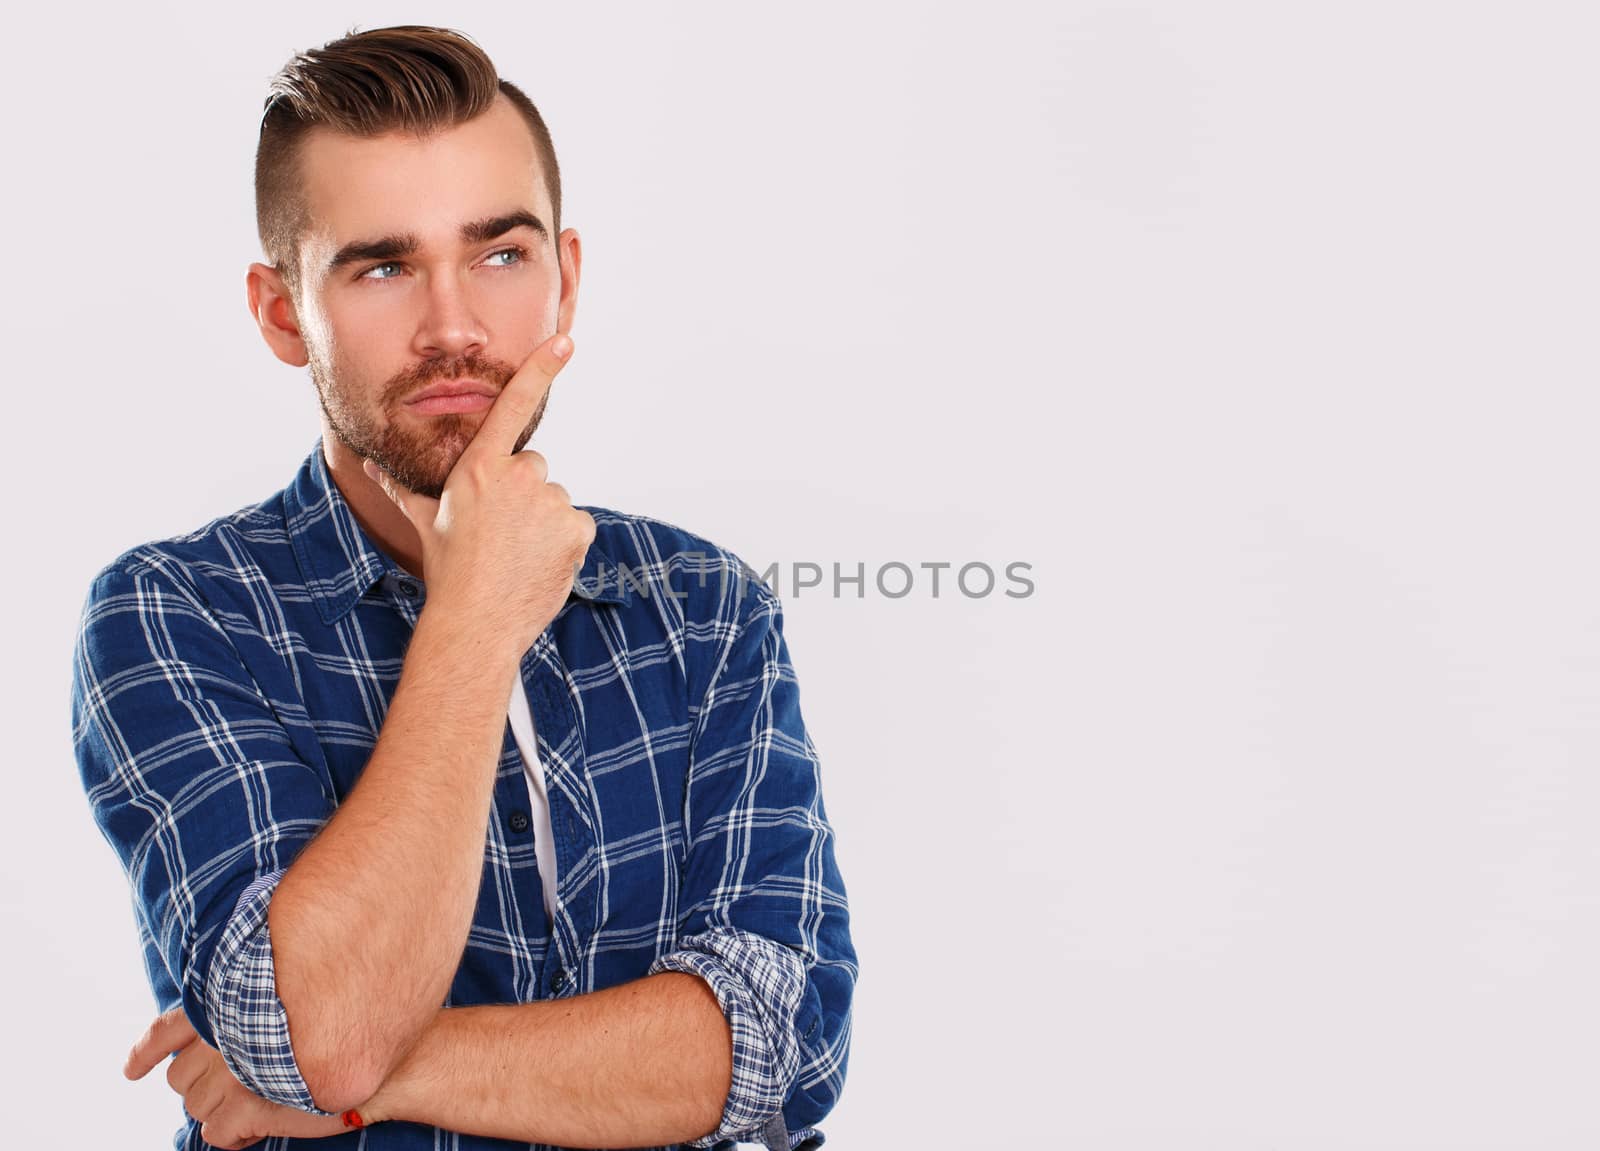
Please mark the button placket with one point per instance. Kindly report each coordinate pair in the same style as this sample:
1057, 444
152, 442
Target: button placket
556, 732
510, 801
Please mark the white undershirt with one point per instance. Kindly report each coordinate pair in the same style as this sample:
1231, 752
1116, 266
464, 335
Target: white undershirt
544, 851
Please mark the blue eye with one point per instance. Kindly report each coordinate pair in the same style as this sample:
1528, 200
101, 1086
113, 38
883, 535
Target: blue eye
520, 253
367, 275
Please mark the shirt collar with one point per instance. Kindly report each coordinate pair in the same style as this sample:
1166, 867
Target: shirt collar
339, 562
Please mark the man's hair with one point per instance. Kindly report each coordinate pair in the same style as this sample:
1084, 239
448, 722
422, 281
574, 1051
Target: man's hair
407, 78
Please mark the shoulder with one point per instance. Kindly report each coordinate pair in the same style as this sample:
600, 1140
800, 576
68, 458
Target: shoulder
653, 557
150, 617
185, 563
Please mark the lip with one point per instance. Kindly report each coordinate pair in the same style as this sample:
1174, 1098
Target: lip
453, 388
452, 396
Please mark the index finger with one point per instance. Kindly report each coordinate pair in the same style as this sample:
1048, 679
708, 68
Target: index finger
167, 1034
519, 399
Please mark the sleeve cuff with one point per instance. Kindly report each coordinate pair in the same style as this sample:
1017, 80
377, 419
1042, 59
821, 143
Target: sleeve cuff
758, 984
251, 1026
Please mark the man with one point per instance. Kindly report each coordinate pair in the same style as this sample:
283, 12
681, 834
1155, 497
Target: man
453, 812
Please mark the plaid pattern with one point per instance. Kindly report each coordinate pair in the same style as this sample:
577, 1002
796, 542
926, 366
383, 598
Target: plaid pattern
230, 684
250, 1026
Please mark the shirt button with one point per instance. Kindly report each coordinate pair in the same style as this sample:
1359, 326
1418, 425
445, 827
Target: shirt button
410, 588
559, 980
518, 821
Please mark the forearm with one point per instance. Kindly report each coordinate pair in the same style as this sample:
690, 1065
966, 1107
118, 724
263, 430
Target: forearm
369, 922
645, 1063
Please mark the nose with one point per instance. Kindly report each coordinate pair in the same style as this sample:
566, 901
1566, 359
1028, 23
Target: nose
449, 326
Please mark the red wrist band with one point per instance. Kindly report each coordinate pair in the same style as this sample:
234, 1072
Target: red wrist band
352, 1118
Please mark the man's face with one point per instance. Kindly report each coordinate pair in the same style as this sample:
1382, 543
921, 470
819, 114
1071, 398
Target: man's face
381, 322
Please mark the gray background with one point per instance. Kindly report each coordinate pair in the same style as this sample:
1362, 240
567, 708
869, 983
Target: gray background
1264, 332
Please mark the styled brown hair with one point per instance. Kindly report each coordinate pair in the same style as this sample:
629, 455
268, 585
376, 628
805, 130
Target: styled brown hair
409, 78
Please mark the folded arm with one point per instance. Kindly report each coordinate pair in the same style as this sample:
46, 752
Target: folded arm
742, 1029
641, 1064
178, 751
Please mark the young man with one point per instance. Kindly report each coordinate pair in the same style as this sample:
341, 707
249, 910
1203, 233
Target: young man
415, 731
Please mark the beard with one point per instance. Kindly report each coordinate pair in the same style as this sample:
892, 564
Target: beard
419, 452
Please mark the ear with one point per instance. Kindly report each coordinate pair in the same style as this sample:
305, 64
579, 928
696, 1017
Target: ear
569, 253
273, 310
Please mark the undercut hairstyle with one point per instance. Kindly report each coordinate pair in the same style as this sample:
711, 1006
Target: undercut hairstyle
409, 78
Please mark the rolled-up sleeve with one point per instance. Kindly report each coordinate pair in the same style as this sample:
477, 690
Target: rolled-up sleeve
196, 785
249, 1020
765, 921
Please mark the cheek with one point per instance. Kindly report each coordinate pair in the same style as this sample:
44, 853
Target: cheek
363, 328
360, 340
518, 322
537, 291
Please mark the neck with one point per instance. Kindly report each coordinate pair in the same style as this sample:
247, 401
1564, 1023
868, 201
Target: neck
377, 514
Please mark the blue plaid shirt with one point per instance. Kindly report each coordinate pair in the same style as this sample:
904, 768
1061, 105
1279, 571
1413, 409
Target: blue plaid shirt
230, 684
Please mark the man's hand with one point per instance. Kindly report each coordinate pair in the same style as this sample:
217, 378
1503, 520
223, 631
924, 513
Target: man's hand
501, 544
230, 1116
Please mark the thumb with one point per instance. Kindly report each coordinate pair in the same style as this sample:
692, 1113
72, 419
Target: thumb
419, 509
167, 1034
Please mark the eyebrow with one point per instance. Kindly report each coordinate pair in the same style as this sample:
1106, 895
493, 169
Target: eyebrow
398, 244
